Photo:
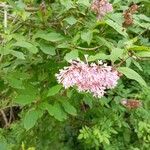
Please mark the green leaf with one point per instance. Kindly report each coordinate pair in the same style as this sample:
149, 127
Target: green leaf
63, 45
24, 99
52, 37
142, 17
67, 4
68, 107
31, 118
5, 50
84, 2
74, 54
4, 145
47, 49
131, 74
18, 54
54, 90
87, 36
137, 65
116, 53
57, 112
143, 54
117, 27
31, 48
16, 83
139, 48
99, 56
117, 17
70, 20
81, 136
106, 43
88, 101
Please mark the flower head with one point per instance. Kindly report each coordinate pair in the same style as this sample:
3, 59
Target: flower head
101, 8
93, 78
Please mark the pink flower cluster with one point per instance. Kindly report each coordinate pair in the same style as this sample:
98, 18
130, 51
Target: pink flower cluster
101, 8
93, 78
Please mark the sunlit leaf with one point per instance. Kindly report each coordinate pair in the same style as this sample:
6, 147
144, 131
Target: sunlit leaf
18, 54
99, 56
131, 74
74, 54
87, 36
84, 2
70, 20
117, 27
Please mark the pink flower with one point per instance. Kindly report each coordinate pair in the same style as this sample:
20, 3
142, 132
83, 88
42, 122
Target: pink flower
93, 78
101, 8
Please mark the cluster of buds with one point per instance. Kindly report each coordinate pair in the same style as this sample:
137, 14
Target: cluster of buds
128, 15
131, 103
93, 78
101, 8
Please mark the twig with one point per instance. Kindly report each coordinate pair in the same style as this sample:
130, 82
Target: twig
8, 107
3, 5
90, 49
9, 16
140, 58
118, 65
12, 117
4, 118
5, 16
17, 28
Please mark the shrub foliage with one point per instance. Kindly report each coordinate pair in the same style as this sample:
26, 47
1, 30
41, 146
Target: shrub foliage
37, 39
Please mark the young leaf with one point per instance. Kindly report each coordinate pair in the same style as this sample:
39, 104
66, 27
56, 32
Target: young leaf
68, 107
131, 74
54, 90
